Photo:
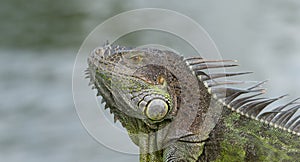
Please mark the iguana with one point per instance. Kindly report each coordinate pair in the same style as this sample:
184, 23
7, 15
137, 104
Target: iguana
176, 111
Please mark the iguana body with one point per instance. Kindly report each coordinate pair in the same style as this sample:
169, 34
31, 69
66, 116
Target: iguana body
174, 111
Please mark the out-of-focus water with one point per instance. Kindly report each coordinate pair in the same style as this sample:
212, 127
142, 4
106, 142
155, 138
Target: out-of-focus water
40, 39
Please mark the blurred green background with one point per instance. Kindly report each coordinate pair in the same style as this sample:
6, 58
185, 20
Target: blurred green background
40, 39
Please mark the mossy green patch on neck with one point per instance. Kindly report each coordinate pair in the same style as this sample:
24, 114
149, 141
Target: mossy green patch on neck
250, 140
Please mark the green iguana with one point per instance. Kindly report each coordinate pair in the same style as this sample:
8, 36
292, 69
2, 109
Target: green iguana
175, 111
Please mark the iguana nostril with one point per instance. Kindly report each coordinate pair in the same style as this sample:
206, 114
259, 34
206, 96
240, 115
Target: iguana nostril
157, 109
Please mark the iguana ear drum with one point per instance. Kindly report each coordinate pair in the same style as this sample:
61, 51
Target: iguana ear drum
156, 109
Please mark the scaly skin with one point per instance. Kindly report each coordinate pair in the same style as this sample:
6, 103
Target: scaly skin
237, 138
174, 111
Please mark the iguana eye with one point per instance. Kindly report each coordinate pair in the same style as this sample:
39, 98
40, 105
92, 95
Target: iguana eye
160, 80
156, 109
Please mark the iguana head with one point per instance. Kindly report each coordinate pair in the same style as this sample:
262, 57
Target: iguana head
134, 83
